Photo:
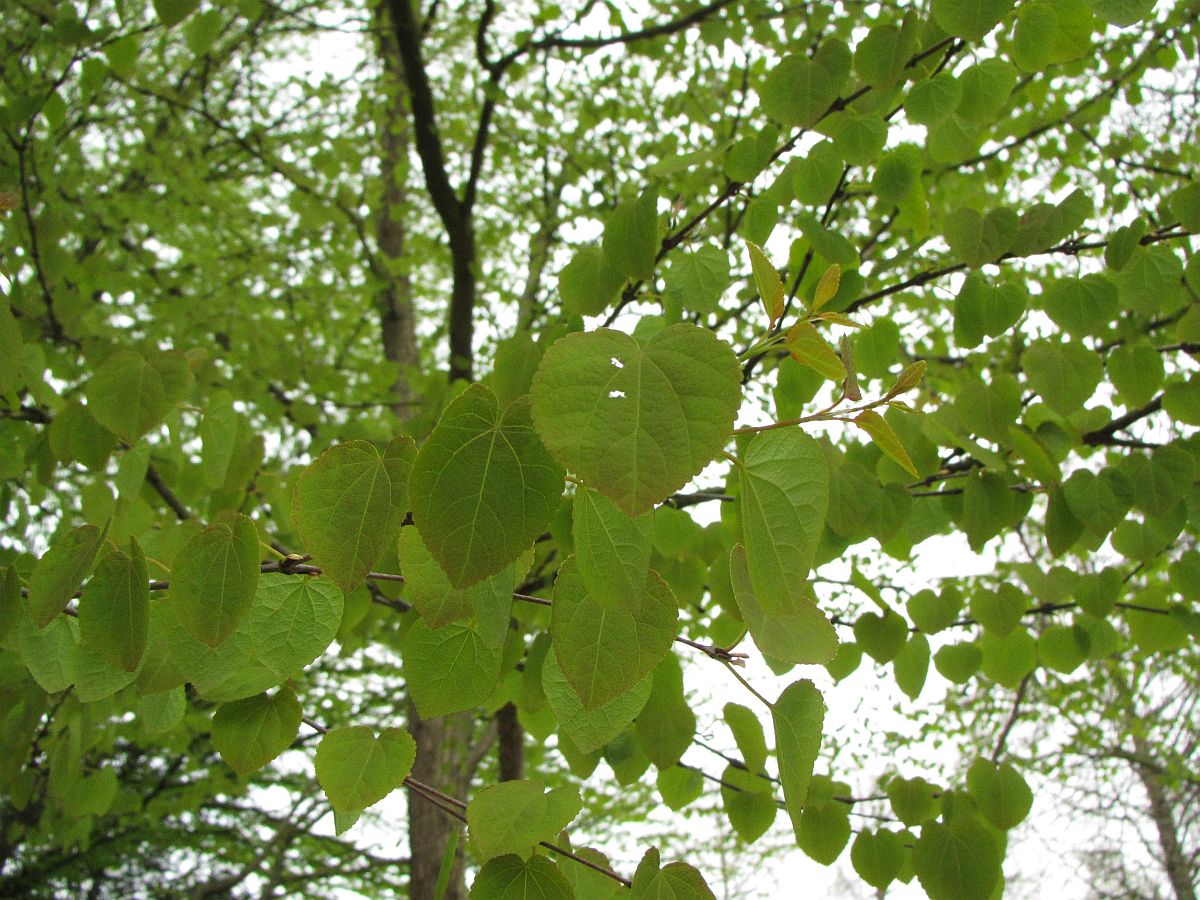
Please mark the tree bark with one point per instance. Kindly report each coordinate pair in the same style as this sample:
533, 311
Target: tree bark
397, 322
444, 760
1174, 860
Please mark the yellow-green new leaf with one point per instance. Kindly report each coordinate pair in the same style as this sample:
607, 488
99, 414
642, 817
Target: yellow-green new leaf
885, 439
767, 282
810, 349
827, 288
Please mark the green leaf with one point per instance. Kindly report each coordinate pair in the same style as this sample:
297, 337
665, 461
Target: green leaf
114, 611
349, 503
1158, 481
932, 612
250, 733
218, 434
680, 787
631, 236
985, 310
1065, 374
748, 734
970, 19
783, 492
428, 589
881, 636
1062, 648
202, 31
58, 573
1082, 306
767, 282
1181, 401
802, 634
932, 100
511, 878
214, 579
457, 666
12, 353
1008, 659
824, 831
877, 857
612, 550
1002, 794
127, 395
1099, 501
751, 154
798, 716
697, 278
913, 800
859, 140
1150, 281
636, 419
957, 861
674, 881
748, 802
514, 816
172, 12
1123, 13
911, 665
291, 621
1136, 371
357, 769
590, 729
880, 57
958, 662
604, 652
482, 487
797, 92
589, 283
666, 725
817, 175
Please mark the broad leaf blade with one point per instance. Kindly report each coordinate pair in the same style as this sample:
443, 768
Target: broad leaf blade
349, 504
250, 733
483, 486
356, 769
798, 716
114, 611
637, 419
605, 652
214, 579
612, 550
58, 573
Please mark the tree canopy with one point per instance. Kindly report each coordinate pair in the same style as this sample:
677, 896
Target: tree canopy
422, 395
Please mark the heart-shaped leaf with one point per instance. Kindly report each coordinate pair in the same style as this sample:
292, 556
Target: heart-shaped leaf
483, 487
637, 419
605, 652
214, 579
800, 634
356, 769
349, 503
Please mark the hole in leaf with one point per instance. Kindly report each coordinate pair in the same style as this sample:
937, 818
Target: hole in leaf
616, 362
616, 393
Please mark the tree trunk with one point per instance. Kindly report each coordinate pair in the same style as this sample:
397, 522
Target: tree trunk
1173, 858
